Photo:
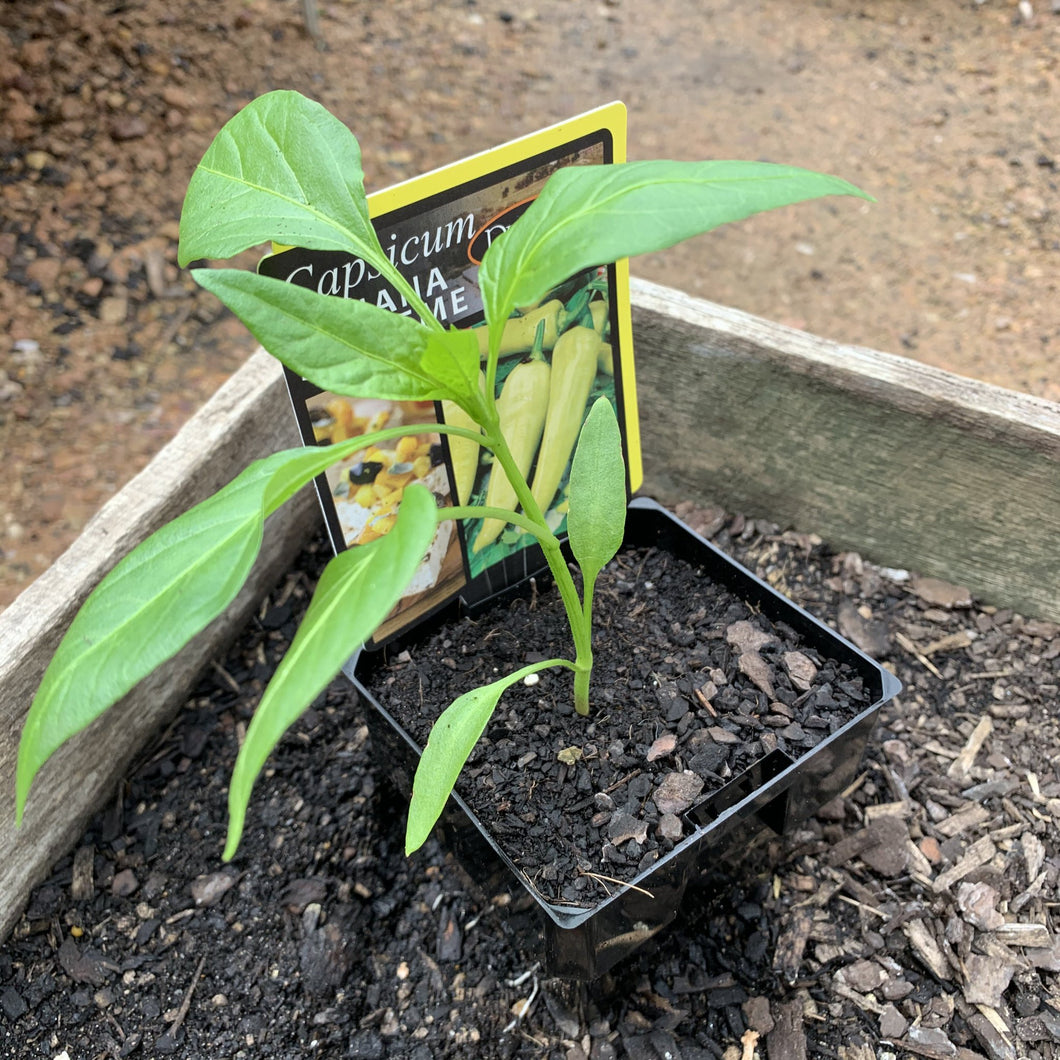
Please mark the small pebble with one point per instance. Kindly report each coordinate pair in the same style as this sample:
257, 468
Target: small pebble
208, 890
669, 827
677, 792
663, 746
892, 1023
124, 884
12, 1003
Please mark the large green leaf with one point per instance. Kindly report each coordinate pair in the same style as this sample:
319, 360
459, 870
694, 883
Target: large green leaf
159, 596
282, 169
355, 593
591, 215
348, 346
452, 738
597, 517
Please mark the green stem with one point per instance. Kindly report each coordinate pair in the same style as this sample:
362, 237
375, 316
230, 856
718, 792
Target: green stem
583, 670
445, 428
363, 441
485, 511
350, 446
533, 668
580, 628
584, 661
579, 621
530, 519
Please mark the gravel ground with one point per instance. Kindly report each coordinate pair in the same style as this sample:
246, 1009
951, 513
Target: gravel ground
944, 110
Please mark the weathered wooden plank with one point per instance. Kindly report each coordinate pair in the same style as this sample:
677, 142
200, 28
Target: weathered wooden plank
247, 418
909, 465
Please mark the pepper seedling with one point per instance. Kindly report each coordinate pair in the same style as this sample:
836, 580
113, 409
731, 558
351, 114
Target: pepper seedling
284, 170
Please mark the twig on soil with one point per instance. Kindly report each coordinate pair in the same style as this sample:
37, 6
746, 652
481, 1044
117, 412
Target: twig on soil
175, 324
862, 905
960, 766
853, 786
997, 1022
601, 879
865, 1002
897, 785
118, 1028
525, 1007
628, 777
225, 676
917, 654
705, 703
520, 979
182, 915
186, 1003
749, 1041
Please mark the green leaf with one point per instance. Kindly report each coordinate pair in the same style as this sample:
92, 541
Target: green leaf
591, 215
453, 359
169, 588
597, 517
348, 346
452, 738
282, 169
356, 592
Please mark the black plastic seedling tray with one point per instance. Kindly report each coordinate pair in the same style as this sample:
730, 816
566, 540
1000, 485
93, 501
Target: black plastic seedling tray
769, 798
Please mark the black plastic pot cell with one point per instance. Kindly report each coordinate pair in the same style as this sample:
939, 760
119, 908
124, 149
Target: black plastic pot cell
766, 799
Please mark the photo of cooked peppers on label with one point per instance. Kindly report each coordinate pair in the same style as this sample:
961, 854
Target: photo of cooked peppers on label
555, 361
366, 488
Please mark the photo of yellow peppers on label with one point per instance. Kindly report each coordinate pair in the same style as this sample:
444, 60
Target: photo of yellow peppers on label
555, 360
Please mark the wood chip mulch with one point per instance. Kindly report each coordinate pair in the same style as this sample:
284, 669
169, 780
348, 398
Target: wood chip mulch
914, 916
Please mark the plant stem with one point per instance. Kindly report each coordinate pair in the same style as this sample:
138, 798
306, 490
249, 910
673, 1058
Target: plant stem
579, 620
583, 670
484, 511
530, 519
344, 449
584, 661
579, 624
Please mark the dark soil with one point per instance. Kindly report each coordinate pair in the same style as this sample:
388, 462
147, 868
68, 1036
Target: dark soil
945, 111
914, 916
692, 686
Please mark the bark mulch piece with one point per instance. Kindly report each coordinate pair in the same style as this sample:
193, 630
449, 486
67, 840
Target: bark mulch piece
914, 916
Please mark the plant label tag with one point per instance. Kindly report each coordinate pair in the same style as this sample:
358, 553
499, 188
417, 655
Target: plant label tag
435, 229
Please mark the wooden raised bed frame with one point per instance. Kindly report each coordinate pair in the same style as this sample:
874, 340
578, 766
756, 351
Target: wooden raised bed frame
911, 466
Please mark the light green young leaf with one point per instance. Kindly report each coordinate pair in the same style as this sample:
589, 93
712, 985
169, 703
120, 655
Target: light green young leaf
452, 738
159, 596
348, 346
282, 169
355, 593
597, 517
591, 215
